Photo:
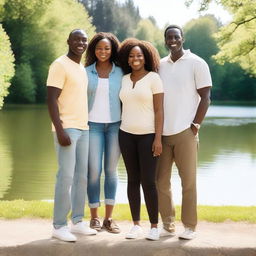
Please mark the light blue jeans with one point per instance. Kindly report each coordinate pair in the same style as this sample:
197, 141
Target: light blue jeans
71, 180
103, 141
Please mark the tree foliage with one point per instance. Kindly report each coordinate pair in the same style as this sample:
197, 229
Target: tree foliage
38, 31
230, 82
124, 21
25, 92
199, 33
1, 8
111, 16
237, 40
6, 64
147, 30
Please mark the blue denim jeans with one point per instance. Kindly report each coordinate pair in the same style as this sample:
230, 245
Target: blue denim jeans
103, 141
71, 180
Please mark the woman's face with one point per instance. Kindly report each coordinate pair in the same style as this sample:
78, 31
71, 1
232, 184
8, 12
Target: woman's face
103, 50
136, 58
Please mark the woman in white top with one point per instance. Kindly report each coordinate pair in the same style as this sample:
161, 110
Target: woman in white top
104, 83
141, 127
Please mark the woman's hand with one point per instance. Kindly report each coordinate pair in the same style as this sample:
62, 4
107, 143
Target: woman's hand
157, 147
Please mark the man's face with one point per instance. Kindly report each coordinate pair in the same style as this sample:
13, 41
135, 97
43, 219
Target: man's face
78, 42
174, 40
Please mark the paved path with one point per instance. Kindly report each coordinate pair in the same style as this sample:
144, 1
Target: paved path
31, 237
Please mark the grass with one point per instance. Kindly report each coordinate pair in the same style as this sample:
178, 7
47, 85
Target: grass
41, 209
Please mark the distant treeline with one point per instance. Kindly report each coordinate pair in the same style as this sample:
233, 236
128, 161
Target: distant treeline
37, 33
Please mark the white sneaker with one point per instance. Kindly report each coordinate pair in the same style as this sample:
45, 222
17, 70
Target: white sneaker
63, 234
153, 234
82, 228
134, 232
164, 233
188, 234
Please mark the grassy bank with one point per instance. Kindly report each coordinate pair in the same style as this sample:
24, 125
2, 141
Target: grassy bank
38, 209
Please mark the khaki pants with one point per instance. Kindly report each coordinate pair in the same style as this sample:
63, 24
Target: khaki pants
182, 149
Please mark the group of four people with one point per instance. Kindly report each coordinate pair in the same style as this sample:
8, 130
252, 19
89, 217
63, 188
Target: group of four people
127, 101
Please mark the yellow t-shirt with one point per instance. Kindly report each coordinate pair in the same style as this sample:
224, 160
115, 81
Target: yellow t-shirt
138, 116
71, 78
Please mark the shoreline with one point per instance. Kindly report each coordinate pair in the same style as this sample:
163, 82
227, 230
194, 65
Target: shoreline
17, 209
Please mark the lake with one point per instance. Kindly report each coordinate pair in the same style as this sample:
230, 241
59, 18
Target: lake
226, 164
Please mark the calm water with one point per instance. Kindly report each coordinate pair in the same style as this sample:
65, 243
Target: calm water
226, 167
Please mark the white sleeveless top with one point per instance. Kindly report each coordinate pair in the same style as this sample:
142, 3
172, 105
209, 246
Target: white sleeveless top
100, 112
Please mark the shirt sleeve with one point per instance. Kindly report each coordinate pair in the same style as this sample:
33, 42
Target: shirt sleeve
157, 84
56, 75
202, 75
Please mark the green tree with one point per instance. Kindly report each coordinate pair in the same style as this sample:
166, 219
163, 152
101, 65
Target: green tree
199, 34
1, 8
53, 30
147, 30
127, 19
236, 40
38, 34
111, 16
25, 92
6, 64
230, 82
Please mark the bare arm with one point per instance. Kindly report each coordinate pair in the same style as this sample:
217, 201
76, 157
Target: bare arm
159, 119
53, 94
205, 101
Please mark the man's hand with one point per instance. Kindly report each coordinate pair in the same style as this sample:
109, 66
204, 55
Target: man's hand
194, 129
63, 138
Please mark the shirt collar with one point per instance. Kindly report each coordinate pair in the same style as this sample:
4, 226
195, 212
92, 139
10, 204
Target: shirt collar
184, 56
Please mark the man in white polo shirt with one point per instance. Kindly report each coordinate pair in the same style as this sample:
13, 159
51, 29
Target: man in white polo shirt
187, 83
67, 103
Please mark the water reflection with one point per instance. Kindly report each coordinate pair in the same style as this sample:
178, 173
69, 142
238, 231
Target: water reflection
227, 157
5, 165
27, 131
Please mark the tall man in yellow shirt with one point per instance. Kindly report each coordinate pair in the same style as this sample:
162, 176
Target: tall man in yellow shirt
67, 103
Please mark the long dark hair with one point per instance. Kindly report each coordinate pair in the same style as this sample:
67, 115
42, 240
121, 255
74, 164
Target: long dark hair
90, 57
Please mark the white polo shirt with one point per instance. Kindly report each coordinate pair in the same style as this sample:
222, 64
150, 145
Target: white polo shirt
181, 79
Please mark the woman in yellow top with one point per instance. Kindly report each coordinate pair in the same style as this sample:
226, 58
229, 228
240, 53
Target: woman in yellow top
140, 132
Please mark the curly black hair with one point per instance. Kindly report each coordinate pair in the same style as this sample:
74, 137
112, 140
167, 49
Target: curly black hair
90, 56
151, 55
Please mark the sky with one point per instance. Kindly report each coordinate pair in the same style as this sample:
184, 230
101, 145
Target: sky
175, 11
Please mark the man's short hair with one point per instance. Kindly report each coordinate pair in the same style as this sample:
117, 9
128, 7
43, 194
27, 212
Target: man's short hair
173, 26
75, 31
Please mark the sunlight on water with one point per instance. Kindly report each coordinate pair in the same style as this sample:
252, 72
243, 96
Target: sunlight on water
229, 121
231, 111
230, 180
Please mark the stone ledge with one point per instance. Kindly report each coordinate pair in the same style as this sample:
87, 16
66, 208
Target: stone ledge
31, 237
